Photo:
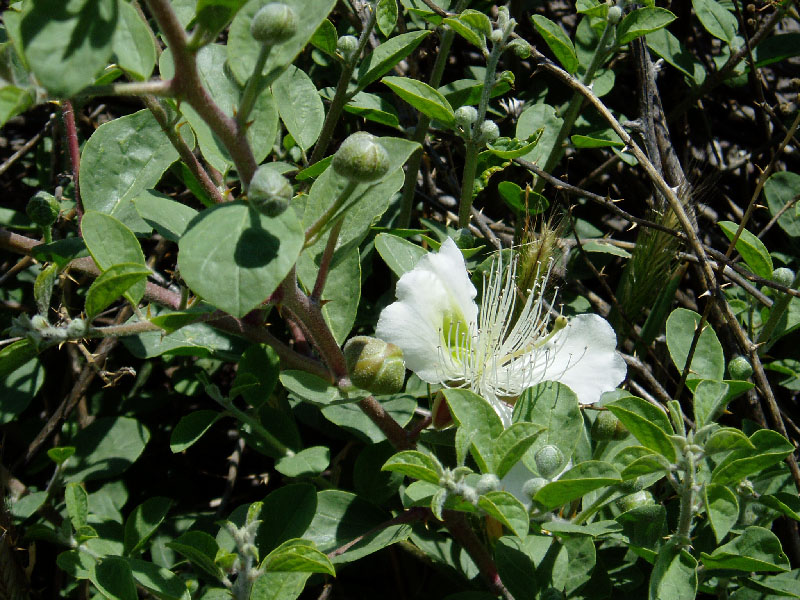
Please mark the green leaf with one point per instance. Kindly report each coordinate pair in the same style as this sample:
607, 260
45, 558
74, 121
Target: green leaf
373, 108
512, 445
133, 44
642, 21
752, 249
159, 581
308, 387
670, 48
644, 526
781, 585
384, 58
311, 461
596, 141
478, 427
61, 252
726, 439
106, 448
213, 15
143, 522
113, 283
770, 447
14, 101
399, 254
114, 578
558, 42
674, 575
162, 213
722, 509
708, 361
387, 16
66, 43
350, 416
718, 21
18, 386
710, 399
13, 356
279, 586
784, 502
422, 97
415, 464
299, 106
286, 513
201, 549
536, 117
757, 549
77, 501
577, 482
325, 38
60, 454
645, 465
261, 364
121, 160
554, 407
43, 287
647, 423
779, 190
472, 25
243, 49
512, 147
298, 556
235, 257
508, 510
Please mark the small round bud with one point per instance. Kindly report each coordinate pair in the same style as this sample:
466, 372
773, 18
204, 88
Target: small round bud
39, 322
631, 485
784, 276
487, 483
521, 48
497, 36
607, 427
548, 461
361, 158
274, 24
346, 46
270, 192
532, 486
76, 328
465, 117
375, 365
640, 498
614, 15
43, 209
488, 132
740, 368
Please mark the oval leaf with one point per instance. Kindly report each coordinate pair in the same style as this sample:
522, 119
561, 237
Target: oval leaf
752, 249
423, 97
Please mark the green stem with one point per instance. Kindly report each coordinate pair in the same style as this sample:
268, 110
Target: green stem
313, 232
574, 106
687, 500
254, 85
589, 511
340, 96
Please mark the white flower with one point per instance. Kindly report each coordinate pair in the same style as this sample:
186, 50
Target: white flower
446, 339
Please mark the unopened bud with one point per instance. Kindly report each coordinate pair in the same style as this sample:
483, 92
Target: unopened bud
614, 15
465, 117
497, 36
361, 158
274, 24
740, 368
532, 486
43, 209
76, 328
487, 483
548, 461
784, 276
641, 498
346, 46
608, 427
375, 365
631, 485
521, 48
488, 132
269, 192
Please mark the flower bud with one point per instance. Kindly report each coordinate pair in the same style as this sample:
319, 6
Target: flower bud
784, 276
346, 46
631, 485
497, 36
532, 486
361, 158
274, 24
269, 192
76, 328
487, 483
39, 322
614, 15
521, 48
740, 368
375, 365
608, 427
641, 498
465, 117
43, 209
488, 132
548, 461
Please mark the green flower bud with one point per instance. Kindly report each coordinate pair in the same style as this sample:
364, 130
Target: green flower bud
783, 276
532, 486
361, 158
641, 498
39, 322
548, 461
76, 328
487, 483
43, 209
497, 36
614, 15
274, 24
740, 368
346, 46
270, 192
375, 365
631, 485
488, 132
465, 117
608, 427
521, 48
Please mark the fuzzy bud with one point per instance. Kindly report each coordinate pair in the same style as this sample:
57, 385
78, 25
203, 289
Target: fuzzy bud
497, 36
630, 486
346, 46
548, 461
608, 427
784, 276
39, 322
532, 486
487, 483
270, 192
361, 158
614, 15
640, 498
76, 328
375, 365
465, 117
43, 209
274, 24
488, 132
521, 48
740, 368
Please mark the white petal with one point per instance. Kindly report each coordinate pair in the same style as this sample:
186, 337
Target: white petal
585, 358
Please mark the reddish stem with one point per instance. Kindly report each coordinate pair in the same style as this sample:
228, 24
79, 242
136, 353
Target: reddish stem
74, 149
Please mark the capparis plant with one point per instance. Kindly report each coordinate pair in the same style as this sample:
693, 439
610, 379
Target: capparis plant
419, 298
